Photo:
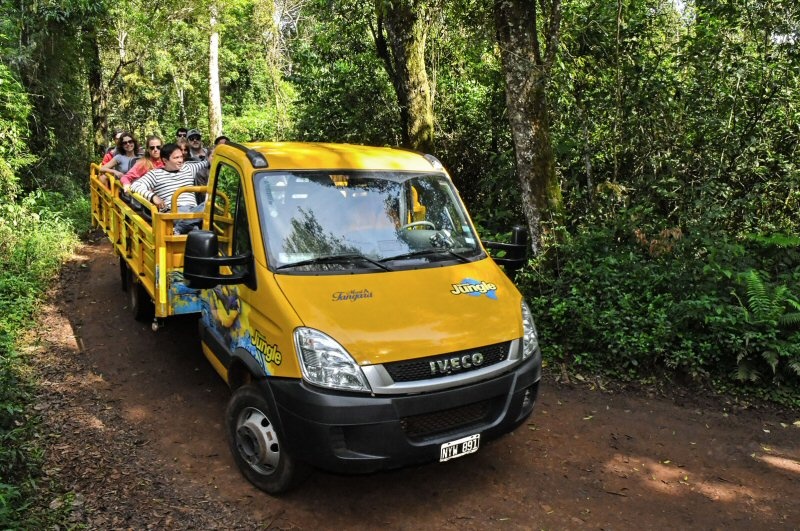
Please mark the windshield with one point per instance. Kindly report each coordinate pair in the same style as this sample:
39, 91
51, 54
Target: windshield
339, 221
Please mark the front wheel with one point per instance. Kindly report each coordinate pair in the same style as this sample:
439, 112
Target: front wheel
258, 449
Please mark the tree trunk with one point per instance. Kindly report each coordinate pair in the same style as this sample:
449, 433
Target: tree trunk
527, 64
97, 93
214, 99
402, 48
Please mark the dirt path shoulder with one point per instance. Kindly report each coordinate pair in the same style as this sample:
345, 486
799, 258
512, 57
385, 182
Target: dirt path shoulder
132, 421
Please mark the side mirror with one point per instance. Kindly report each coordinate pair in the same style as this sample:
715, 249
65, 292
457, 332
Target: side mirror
516, 251
201, 263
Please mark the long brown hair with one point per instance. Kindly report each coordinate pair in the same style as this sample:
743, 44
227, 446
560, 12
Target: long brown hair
148, 158
121, 150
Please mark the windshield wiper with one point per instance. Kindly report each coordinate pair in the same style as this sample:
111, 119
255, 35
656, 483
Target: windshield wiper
335, 258
426, 252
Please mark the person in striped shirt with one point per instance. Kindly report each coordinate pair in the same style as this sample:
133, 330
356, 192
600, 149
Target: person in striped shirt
160, 184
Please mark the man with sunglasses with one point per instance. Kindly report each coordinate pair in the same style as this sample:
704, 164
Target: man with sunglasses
181, 133
196, 150
198, 153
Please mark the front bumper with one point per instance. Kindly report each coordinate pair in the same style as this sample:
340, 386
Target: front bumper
352, 433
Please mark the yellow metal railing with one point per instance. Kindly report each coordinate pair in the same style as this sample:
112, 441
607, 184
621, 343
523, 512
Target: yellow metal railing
151, 250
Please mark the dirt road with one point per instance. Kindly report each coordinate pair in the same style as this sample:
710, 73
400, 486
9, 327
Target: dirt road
134, 430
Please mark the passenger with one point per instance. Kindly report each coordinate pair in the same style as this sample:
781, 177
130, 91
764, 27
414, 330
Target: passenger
198, 152
151, 160
159, 185
184, 145
196, 149
124, 158
109, 154
222, 139
201, 179
182, 132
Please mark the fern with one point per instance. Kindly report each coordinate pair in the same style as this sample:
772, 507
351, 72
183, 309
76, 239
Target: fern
759, 301
770, 313
746, 373
790, 320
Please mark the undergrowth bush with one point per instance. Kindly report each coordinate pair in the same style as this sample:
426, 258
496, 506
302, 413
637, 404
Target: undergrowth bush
36, 235
701, 304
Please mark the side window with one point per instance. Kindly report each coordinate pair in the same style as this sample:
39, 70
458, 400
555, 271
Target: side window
230, 213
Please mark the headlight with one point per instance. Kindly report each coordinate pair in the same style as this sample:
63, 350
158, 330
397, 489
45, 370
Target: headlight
529, 338
326, 363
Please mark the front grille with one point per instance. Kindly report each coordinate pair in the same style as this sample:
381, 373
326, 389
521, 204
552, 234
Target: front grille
448, 420
420, 369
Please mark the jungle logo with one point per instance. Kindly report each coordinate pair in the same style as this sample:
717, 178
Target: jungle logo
475, 288
266, 353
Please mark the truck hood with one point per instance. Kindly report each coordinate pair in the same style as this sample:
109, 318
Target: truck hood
399, 315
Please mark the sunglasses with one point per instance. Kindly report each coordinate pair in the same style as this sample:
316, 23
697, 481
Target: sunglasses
194, 138
181, 134
129, 141
151, 148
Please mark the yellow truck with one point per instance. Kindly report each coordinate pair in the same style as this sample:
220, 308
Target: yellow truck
346, 299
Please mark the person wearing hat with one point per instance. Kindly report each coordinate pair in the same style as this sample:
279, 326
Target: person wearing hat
196, 149
198, 153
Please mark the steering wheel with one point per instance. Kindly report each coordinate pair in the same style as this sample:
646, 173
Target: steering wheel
418, 224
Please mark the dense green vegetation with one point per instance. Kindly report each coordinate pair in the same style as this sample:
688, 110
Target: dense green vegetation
675, 128
38, 229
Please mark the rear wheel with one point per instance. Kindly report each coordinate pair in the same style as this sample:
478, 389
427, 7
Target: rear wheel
141, 304
123, 274
258, 448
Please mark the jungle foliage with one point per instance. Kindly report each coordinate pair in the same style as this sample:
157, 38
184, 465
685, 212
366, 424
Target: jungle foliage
675, 128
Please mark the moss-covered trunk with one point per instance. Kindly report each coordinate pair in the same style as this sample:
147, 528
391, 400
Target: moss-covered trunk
527, 64
402, 48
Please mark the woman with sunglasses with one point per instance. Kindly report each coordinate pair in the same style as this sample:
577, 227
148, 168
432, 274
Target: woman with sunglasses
124, 158
151, 160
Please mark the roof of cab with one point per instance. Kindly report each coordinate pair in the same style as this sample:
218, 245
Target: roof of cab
326, 156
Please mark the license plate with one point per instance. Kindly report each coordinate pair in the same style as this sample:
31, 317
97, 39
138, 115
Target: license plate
466, 445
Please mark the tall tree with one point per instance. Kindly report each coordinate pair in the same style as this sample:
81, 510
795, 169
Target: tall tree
400, 35
214, 98
527, 62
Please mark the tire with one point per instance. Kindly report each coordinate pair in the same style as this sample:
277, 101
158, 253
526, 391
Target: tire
257, 445
123, 274
141, 304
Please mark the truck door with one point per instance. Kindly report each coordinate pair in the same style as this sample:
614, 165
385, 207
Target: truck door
237, 314
224, 309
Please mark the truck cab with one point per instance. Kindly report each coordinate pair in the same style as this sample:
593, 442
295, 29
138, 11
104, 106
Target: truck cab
349, 304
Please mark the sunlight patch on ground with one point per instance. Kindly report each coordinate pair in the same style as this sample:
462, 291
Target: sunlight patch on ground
668, 478
784, 463
136, 413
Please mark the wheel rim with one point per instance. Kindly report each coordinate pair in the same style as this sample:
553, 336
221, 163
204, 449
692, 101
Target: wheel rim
257, 441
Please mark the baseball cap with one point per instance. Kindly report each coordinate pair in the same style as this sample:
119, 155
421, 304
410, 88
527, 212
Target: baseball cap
194, 132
